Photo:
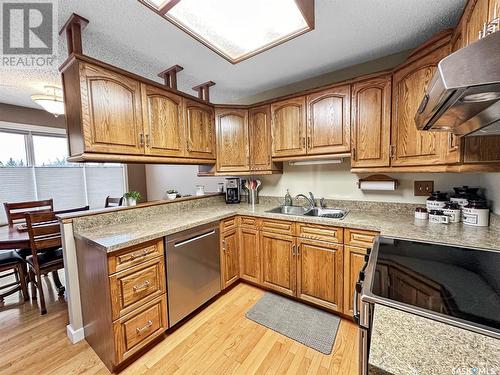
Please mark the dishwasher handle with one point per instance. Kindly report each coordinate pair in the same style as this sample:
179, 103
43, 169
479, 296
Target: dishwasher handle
195, 238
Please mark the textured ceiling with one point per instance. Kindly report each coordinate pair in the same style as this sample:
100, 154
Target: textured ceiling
127, 34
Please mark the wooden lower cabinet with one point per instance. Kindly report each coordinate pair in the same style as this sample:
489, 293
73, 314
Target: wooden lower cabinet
319, 273
124, 300
230, 268
250, 255
278, 262
354, 259
134, 331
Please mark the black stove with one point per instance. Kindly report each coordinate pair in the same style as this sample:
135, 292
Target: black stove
457, 285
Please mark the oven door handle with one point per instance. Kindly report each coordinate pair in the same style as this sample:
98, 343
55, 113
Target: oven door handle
358, 287
357, 291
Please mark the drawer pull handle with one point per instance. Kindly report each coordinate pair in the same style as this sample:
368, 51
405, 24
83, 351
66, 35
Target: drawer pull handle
142, 286
146, 327
135, 256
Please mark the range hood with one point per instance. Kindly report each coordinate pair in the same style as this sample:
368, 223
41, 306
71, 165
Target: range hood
463, 97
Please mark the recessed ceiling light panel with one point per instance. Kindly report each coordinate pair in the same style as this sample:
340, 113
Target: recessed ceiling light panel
239, 29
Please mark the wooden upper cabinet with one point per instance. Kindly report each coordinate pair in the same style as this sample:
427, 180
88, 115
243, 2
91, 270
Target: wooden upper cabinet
371, 122
200, 131
476, 17
232, 139
111, 111
163, 122
260, 142
289, 127
319, 273
482, 149
328, 119
411, 146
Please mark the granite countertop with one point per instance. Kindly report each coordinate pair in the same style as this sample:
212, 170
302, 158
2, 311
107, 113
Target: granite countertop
392, 223
408, 344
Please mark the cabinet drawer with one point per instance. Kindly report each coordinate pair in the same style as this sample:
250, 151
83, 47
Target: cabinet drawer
123, 259
320, 232
278, 226
358, 237
136, 285
248, 222
228, 224
135, 330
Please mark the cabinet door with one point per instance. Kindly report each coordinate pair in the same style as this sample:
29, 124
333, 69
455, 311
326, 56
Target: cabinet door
476, 18
232, 140
278, 262
111, 112
229, 257
250, 255
163, 122
328, 118
354, 259
371, 122
260, 138
289, 127
200, 131
482, 149
319, 273
414, 147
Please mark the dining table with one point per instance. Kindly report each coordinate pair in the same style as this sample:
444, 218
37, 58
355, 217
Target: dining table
12, 238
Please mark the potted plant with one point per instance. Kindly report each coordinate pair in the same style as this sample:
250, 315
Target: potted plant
132, 197
172, 194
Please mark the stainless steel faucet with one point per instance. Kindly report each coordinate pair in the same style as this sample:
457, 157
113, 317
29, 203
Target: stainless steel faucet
309, 200
313, 200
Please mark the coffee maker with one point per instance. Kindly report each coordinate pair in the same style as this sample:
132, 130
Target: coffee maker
233, 193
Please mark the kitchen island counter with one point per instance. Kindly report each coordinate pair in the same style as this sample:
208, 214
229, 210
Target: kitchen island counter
408, 344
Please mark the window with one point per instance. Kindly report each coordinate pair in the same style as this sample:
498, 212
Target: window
12, 150
238, 29
50, 150
33, 166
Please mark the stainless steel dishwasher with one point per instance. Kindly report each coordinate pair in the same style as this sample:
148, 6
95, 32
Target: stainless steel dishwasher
193, 270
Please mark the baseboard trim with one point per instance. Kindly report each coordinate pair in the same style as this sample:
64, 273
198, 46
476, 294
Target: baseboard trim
75, 335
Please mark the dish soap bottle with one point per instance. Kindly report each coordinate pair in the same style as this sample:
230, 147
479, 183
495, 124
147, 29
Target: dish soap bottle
288, 199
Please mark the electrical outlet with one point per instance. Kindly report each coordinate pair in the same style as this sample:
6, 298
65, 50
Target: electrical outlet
423, 188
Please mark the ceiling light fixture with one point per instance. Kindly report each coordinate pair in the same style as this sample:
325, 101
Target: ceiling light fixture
52, 101
238, 29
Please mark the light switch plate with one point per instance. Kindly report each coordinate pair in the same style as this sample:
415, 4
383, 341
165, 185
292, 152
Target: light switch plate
423, 188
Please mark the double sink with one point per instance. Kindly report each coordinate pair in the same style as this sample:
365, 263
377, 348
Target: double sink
331, 213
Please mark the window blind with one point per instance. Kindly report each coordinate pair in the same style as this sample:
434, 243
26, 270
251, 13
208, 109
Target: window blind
16, 185
103, 181
65, 185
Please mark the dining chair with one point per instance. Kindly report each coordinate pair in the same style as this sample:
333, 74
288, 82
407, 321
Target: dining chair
46, 251
11, 260
113, 202
15, 211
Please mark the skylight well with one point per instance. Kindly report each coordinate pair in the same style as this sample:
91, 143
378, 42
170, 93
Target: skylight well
238, 29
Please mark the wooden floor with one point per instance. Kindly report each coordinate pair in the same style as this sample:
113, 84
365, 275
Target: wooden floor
219, 340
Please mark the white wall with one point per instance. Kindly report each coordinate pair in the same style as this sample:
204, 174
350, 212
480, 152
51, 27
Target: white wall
329, 181
337, 182
183, 178
491, 184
